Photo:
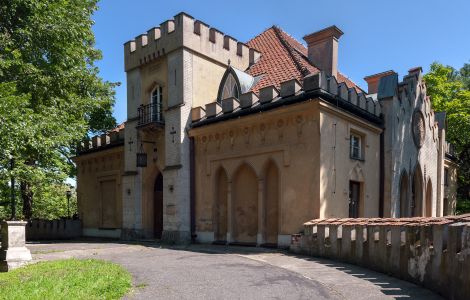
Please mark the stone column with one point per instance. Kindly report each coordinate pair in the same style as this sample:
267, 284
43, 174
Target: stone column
260, 239
13, 252
230, 218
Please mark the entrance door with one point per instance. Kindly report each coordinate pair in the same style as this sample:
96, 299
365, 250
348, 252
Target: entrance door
158, 206
354, 196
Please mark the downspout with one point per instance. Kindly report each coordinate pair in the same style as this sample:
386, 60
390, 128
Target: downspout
382, 175
192, 189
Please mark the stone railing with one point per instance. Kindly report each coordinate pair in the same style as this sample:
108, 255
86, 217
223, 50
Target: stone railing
433, 252
53, 229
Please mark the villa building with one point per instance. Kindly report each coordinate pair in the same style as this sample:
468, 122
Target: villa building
234, 142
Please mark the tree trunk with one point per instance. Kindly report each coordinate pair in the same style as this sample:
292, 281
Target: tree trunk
27, 197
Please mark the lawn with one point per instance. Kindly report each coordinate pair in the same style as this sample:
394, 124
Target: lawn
66, 279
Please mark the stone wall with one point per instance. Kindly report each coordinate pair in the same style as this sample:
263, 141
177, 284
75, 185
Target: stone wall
53, 229
407, 161
433, 252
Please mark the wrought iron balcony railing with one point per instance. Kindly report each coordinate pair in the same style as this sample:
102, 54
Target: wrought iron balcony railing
150, 114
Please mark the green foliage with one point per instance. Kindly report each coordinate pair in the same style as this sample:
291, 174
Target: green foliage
463, 206
50, 93
70, 279
50, 202
450, 91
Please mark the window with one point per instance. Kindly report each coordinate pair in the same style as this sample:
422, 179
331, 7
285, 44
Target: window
446, 177
356, 146
230, 88
156, 104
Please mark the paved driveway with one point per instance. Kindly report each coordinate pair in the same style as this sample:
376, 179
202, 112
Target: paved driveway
219, 272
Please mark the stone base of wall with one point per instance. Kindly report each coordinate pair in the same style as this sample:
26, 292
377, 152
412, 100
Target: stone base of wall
130, 234
433, 252
102, 233
176, 237
205, 237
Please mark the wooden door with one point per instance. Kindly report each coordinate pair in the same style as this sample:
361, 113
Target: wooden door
354, 198
158, 206
108, 204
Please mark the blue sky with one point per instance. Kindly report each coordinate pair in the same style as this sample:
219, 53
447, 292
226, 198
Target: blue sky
378, 35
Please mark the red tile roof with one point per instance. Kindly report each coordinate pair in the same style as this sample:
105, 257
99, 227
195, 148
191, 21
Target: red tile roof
283, 58
118, 128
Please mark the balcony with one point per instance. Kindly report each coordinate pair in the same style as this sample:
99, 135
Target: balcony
150, 116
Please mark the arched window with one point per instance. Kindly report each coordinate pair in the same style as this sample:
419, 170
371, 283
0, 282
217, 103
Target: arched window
230, 88
157, 104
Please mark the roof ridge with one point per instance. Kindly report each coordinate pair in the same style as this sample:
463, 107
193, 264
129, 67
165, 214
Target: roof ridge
304, 71
294, 39
259, 34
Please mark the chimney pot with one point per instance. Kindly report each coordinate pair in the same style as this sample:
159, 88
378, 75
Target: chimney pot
323, 49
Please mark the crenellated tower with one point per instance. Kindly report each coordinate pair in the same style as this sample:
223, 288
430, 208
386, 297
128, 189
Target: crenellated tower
170, 69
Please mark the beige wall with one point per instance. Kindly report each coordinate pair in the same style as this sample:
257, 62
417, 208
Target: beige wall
99, 188
207, 75
338, 169
280, 151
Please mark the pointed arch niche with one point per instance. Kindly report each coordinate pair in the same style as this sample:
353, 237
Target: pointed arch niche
356, 192
404, 203
417, 193
245, 205
220, 205
429, 198
271, 202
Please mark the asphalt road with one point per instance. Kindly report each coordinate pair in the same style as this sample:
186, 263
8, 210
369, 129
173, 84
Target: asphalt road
219, 272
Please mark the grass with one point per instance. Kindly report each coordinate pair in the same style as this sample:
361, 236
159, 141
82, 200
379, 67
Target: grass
66, 279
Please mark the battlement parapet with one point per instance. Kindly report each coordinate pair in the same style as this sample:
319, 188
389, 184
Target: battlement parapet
410, 93
185, 31
433, 252
112, 138
292, 91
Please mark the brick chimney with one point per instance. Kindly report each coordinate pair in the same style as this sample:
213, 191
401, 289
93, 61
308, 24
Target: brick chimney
373, 81
323, 49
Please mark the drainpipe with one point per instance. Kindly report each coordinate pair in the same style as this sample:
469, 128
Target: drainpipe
192, 189
382, 176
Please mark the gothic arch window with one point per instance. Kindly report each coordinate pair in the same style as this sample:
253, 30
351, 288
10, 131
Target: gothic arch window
230, 87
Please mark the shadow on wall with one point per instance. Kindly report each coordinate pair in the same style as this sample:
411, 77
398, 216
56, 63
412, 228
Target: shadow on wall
433, 252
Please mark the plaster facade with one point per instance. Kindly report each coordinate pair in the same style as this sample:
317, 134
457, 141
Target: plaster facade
219, 146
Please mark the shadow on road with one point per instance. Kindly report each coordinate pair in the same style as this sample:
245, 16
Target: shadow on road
333, 273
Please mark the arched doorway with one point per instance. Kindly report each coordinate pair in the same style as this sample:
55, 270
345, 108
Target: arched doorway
417, 193
429, 199
158, 206
271, 203
220, 206
404, 204
245, 205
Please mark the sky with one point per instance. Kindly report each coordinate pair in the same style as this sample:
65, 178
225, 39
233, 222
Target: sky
378, 35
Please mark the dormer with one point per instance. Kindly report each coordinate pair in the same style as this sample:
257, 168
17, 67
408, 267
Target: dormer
234, 83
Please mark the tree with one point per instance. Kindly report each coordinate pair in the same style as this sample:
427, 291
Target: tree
51, 96
450, 91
